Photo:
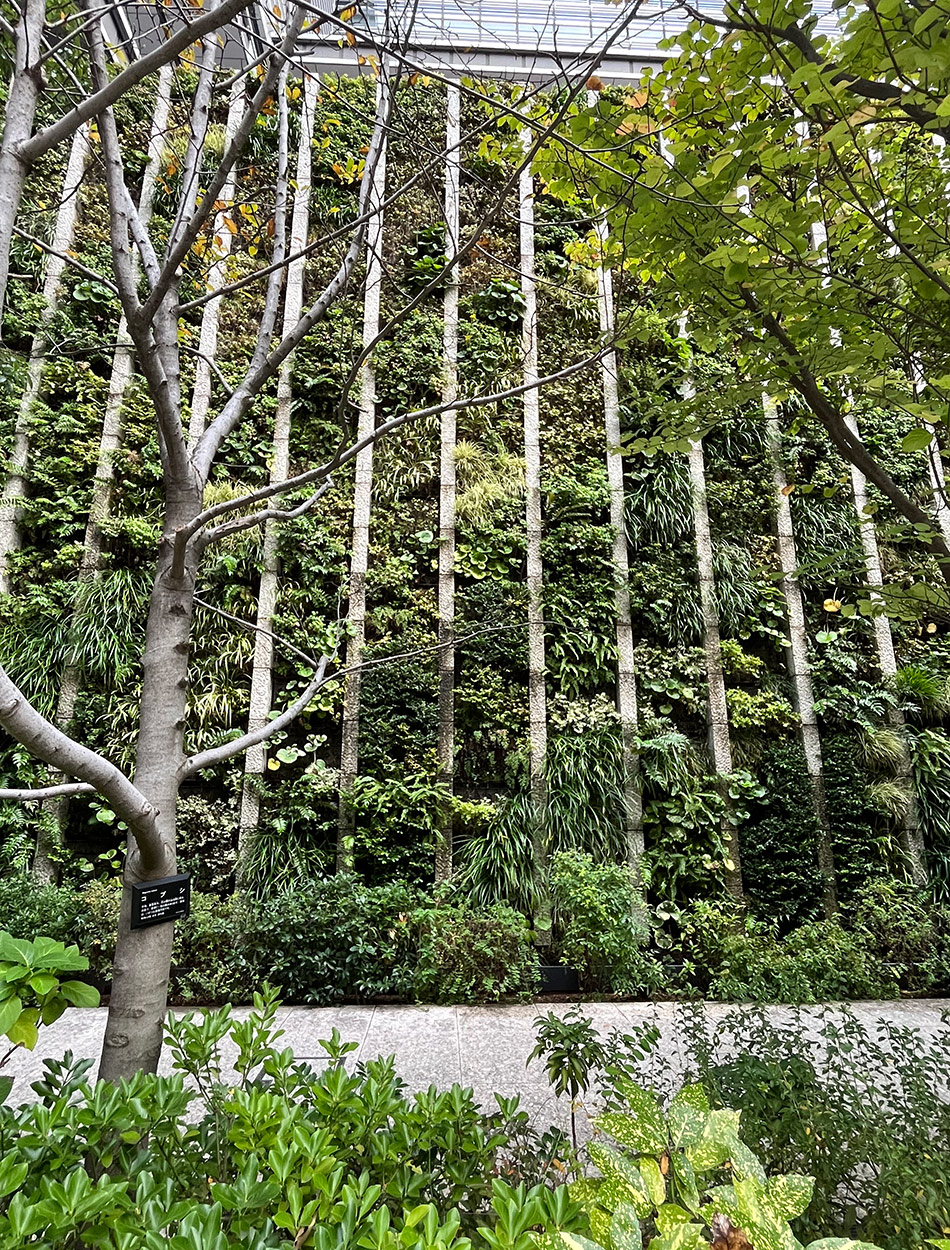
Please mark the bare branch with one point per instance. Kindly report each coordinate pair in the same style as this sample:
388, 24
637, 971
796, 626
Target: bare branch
69, 260
32, 149
353, 450
48, 792
264, 515
41, 738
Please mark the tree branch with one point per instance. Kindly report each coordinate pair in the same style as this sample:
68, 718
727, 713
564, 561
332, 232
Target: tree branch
48, 792
41, 738
32, 149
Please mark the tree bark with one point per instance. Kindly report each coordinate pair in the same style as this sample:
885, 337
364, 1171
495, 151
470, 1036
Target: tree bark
626, 664
720, 744
137, 1005
450, 315
261, 695
362, 506
14, 491
799, 666
537, 694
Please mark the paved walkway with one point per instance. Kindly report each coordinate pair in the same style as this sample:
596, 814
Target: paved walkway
482, 1047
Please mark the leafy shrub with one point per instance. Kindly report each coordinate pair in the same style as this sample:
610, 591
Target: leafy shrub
740, 959
904, 929
331, 937
28, 909
599, 922
862, 1108
285, 1157
468, 956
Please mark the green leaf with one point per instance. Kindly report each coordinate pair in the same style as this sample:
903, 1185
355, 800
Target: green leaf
80, 994
791, 1194
643, 1128
683, 1237
24, 1032
916, 440
42, 983
622, 1181
653, 1180
9, 1014
625, 1232
845, 1243
688, 1111
6, 1084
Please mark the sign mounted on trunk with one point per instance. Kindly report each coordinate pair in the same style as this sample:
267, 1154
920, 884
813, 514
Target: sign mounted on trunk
158, 902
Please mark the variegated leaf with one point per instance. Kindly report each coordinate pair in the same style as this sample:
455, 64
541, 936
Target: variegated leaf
791, 1194
625, 1231
654, 1181
688, 1111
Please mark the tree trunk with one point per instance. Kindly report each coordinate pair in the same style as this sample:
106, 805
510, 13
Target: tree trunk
720, 744
51, 830
537, 695
18, 461
911, 837
362, 505
626, 665
450, 313
262, 670
19, 114
221, 238
799, 667
137, 1006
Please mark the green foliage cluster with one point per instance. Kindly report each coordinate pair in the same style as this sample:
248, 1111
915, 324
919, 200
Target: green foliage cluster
277, 1153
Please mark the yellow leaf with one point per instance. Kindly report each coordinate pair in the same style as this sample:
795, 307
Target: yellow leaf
351, 39
787, 490
252, 251
832, 605
230, 225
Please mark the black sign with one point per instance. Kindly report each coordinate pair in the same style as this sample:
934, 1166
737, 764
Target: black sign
157, 902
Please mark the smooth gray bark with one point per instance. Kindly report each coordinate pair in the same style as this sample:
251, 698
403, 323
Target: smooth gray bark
362, 508
447, 486
19, 116
537, 694
797, 660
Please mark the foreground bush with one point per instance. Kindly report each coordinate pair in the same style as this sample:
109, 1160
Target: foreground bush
863, 1110
279, 1155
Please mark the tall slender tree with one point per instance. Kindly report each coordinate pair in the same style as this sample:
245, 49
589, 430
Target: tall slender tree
52, 826
720, 742
447, 483
626, 663
362, 510
797, 659
537, 693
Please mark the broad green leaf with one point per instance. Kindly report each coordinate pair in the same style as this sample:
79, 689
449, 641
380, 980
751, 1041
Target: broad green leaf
643, 1128
9, 1014
6, 1084
671, 1216
24, 1032
845, 1243
80, 994
683, 1237
916, 440
791, 1194
42, 982
622, 1180
688, 1111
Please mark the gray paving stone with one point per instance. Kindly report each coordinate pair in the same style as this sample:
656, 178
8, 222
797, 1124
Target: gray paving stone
484, 1047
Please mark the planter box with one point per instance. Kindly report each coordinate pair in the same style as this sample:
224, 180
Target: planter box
558, 979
